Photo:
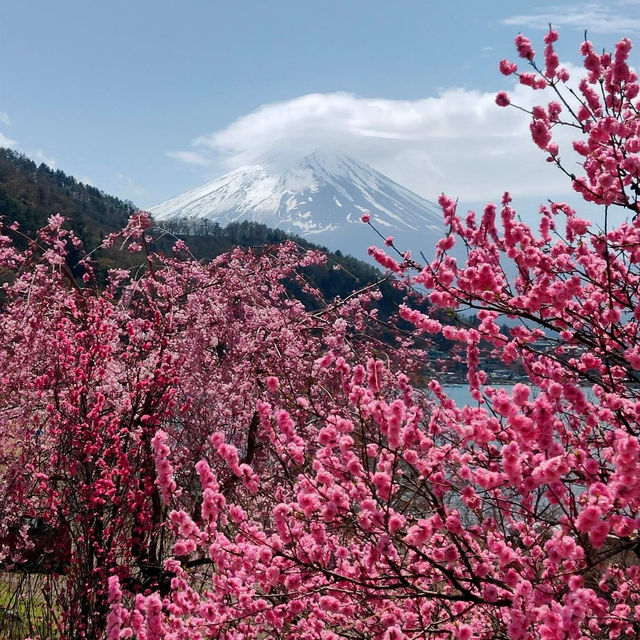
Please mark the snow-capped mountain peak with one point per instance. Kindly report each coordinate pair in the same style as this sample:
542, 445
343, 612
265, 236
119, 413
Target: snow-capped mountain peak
320, 196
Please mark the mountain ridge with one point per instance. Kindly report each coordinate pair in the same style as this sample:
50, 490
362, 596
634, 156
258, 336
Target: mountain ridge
320, 196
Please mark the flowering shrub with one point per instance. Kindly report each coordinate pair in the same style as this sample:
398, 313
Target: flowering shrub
110, 400
230, 465
551, 467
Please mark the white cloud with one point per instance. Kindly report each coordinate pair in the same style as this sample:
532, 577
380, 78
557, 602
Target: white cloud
6, 142
459, 142
190, 157
595, 17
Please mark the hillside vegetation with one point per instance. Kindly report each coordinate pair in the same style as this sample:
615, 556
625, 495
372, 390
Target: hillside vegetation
30, 193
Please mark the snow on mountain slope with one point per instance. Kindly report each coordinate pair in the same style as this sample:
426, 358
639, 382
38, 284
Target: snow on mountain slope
321, 197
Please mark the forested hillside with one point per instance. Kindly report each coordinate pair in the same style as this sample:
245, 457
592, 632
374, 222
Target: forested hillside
30, 193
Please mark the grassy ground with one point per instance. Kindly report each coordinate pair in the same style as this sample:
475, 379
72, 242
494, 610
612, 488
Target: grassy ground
24, 611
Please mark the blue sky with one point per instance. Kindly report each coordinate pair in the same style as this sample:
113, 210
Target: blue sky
148, 99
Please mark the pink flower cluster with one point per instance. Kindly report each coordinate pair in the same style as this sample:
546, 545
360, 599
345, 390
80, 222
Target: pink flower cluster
164, 470
610, 128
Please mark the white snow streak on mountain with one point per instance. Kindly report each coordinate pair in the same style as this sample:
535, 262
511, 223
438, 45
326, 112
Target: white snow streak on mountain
320, 197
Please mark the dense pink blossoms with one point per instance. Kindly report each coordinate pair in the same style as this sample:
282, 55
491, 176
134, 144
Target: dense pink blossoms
130, 414
231, 465
516, 516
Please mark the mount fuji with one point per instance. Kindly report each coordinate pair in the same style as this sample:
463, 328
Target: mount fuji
320, 197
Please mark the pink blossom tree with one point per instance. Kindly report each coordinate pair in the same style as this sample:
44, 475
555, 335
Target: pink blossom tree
111, 398
227, 464
407, 516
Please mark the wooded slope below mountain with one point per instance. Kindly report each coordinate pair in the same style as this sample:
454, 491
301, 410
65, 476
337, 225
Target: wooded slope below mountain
30, 193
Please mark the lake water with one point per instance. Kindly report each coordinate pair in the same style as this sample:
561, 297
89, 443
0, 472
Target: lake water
461, 395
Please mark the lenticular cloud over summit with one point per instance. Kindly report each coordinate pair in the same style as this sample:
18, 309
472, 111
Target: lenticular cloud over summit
459, 142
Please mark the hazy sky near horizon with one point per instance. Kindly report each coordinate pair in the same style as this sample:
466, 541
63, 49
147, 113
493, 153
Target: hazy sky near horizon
148, 99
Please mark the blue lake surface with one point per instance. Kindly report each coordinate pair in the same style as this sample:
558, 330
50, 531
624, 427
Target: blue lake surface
461, 395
